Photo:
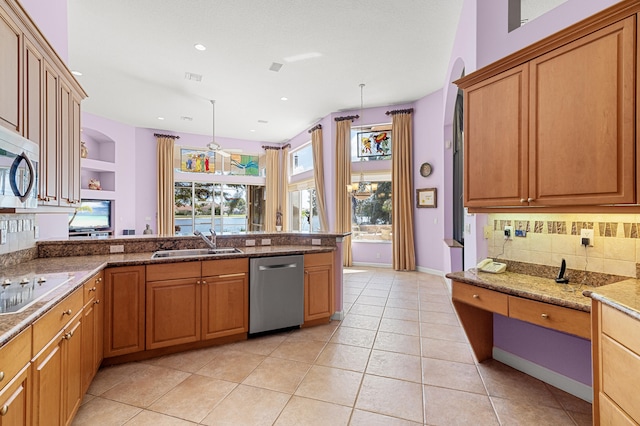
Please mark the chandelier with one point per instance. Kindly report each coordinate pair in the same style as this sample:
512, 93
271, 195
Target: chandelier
361, 190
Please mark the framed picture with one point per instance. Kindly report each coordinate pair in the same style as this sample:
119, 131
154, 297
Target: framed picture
426, 197
374, 144
197, 161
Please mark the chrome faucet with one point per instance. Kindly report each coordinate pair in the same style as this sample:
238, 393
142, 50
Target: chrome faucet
211, 244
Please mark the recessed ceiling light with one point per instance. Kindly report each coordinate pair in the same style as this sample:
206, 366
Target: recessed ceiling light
78, 73
199, 46
284, 98
160, 118
192, 76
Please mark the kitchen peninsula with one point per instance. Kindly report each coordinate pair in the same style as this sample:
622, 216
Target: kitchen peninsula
101, 308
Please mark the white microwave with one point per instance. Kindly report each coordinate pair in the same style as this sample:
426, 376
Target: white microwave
18, 171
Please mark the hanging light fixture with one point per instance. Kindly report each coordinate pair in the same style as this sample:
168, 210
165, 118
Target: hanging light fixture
362, 190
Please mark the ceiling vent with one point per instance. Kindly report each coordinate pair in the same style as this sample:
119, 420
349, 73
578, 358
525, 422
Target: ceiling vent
192, 76
262, 121
275, 67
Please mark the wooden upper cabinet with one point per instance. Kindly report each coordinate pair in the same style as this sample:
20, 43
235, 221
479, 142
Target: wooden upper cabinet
582, 120
10, 69
49, 155
496, 135
33, 95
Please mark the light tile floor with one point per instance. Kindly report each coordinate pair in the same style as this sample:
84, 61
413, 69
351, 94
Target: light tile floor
399, 357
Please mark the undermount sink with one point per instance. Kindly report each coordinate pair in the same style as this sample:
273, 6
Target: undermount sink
195, 252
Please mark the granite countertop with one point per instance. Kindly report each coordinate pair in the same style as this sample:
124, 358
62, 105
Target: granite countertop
529, 287
78, 269
623, 296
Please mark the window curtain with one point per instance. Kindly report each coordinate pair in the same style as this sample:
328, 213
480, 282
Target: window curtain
165, 184
318, 175
284, 186
343, 177
404, 256
272, 187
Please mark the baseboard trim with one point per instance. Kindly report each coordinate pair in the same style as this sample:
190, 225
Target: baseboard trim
373, 265
565, 383
337, 316
431, 271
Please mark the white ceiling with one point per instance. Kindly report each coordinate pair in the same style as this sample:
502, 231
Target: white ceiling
134, 56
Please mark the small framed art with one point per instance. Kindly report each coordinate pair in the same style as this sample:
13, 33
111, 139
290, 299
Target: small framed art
426, 197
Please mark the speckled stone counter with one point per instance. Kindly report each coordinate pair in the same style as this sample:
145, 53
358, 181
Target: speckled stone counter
623, 296
529, 287
80, 268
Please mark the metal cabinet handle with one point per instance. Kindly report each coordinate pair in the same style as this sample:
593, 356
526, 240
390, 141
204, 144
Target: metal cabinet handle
67, 312
4, 410
545, 316
241, 274
529, 199
92, 289
522, 200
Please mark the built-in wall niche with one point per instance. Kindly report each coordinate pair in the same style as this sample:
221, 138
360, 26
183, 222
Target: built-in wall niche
98, 166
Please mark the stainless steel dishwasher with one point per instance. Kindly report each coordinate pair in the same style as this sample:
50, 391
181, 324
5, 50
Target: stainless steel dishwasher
276, 293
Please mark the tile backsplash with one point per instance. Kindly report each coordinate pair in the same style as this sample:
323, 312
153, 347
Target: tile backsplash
553, 237
19, 233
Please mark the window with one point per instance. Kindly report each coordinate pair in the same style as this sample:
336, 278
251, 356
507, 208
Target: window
371, 216
371, 143
301, 159
223, 207
303, 210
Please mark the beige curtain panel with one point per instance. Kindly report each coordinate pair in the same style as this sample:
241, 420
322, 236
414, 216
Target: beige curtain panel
272, 188
343, 177
318, 175
404, 256
284, 187
165, 185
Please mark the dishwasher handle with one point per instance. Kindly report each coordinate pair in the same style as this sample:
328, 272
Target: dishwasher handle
282, 266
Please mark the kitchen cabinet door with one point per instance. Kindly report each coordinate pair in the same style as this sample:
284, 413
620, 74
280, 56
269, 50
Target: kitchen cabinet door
72, 368
33, 95
15, 400
47, 383
582, 120
124, 310
225, 305
49, 146
92, 334
318, 287
10, 69
496, 140
173, 312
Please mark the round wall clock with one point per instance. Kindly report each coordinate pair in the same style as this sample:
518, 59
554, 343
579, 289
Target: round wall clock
426, 169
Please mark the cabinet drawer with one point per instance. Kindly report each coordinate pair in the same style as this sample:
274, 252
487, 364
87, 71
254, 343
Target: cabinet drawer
315, 259
225, 266
620, 376
173, 271
481, 297
621, 327
45, 328
14, 355
90, 288
551, 316
611, 414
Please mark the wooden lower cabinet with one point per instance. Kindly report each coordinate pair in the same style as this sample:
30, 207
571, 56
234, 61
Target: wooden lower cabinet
192, 301
124, 310
225, 297
15, 380
57, 379
318, 287
92, 328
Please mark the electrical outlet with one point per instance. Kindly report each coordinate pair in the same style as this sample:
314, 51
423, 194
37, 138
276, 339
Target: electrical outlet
266, 241
377, 255
316, 241
587, 233
250, 243
508, 232
116, 249
488, 229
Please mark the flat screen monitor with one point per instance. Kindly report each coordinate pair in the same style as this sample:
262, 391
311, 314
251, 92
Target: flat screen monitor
91, 215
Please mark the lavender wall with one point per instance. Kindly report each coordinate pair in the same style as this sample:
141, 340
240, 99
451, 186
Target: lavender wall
51, 17
379, 254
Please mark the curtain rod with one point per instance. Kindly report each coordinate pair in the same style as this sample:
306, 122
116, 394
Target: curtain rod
316, 127
400, 111
158, 135
348, 117
277, 147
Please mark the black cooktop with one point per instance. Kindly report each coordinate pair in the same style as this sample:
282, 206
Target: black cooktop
16, 294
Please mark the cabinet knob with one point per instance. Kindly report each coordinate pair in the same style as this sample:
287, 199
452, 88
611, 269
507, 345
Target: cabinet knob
204, 282
97, 302
4, 410
1, 376
476, 296
529, 199
92, 289
67, 312
545, 316
68, 335
522, 200
198, 282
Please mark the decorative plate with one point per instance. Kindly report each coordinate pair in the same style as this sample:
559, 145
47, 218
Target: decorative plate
425, 169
